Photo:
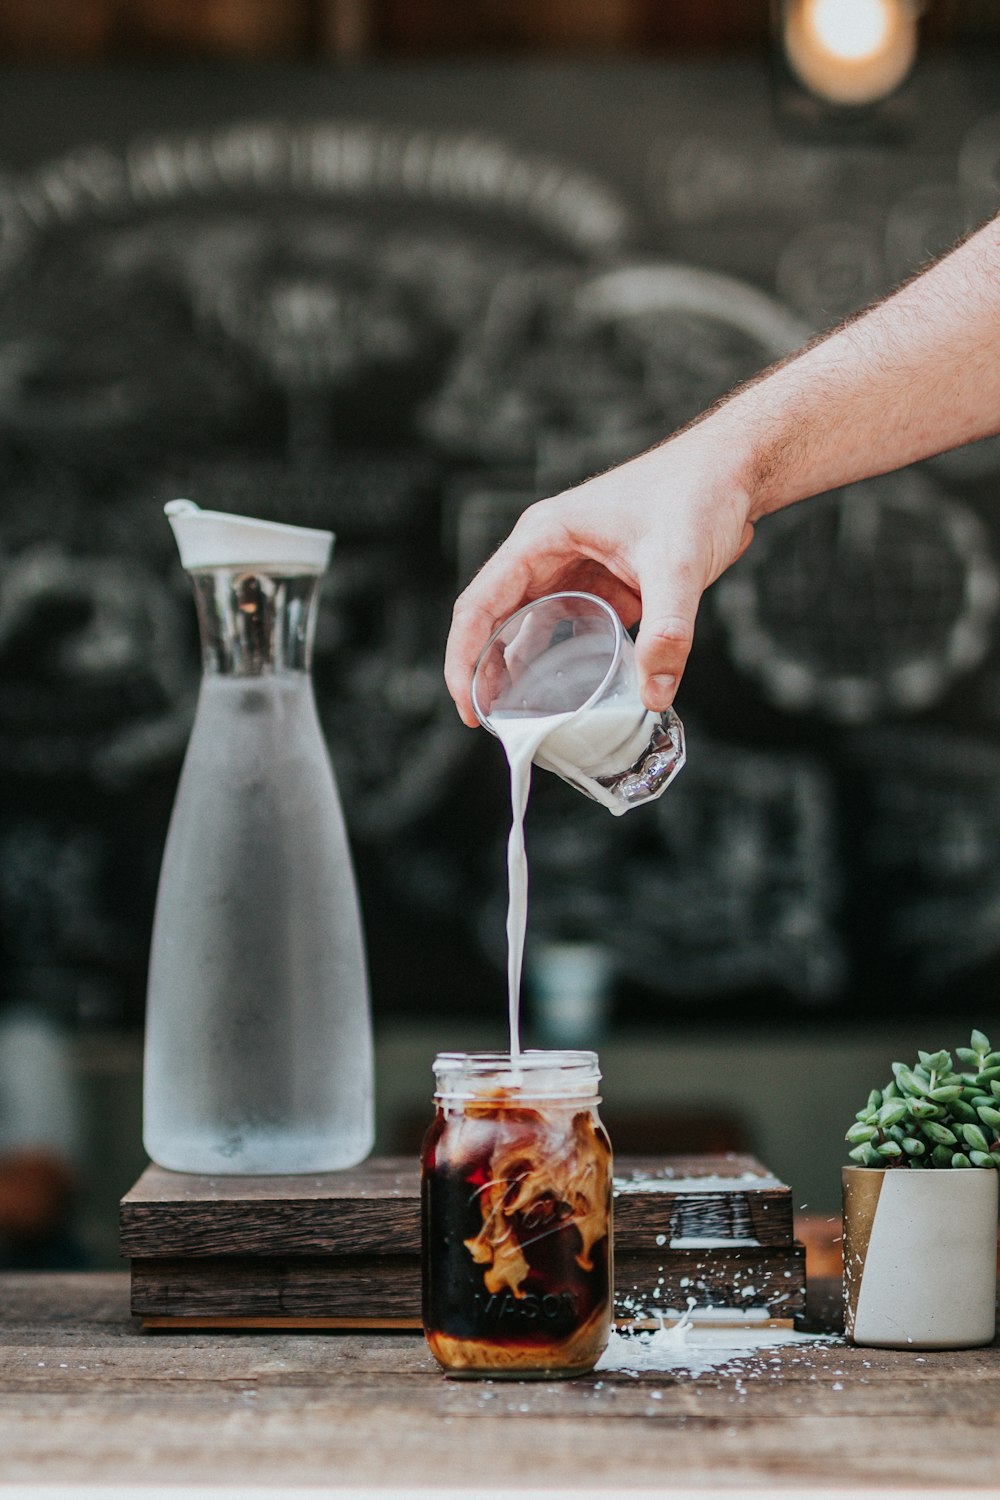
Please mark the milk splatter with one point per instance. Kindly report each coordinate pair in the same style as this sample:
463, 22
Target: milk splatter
695, 1348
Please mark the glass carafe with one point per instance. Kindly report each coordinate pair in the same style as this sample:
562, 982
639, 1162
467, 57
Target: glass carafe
258, 1040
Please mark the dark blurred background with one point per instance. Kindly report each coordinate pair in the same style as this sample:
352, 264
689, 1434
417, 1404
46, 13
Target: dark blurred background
305, 30
400, 268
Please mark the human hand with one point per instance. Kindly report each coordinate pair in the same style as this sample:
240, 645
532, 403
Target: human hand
648, 536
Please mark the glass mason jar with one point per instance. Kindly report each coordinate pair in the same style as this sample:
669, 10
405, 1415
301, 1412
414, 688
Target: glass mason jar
516, 1194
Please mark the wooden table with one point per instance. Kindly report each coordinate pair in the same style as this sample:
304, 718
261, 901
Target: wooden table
86, 1398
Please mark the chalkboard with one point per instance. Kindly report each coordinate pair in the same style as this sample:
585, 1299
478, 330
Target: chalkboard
404, 303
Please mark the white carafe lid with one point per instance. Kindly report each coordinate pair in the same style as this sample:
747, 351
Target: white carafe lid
215, 539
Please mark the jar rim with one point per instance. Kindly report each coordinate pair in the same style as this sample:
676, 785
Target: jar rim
535, 1073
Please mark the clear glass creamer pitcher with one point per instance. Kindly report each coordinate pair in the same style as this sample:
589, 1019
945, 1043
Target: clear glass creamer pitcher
559, 678
258, 1038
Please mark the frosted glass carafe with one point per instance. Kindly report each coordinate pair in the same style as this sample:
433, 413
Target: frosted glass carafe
258, 1038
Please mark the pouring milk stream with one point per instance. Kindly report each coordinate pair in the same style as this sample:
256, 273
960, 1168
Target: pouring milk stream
557, 686
568, 741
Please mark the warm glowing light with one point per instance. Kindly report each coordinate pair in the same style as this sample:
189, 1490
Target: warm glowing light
851, 29
851, 51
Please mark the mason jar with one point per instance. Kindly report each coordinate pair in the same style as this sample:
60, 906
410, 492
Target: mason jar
516, 1196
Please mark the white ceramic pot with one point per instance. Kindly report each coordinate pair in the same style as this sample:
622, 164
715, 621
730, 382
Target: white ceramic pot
920, 1257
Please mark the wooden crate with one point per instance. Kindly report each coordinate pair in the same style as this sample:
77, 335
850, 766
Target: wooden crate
342, 1249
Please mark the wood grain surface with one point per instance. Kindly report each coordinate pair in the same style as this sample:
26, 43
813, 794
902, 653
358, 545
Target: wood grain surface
86, 1397
372, 1209
264, 1287
772, 1277
375, 1208
347, 1244
376, 1291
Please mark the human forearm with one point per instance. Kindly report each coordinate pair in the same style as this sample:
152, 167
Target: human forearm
910, 377
914, 375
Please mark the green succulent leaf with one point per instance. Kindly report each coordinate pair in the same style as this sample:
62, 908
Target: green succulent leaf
962, 1111
910, 1082
892, 1112
936, 1062
947, 1093
989, 1116
889, 1149
890, 1091
913, 1147
923, 1109
973, 1136
981, 1158
967, 1056
865, 1156
861, 1132
960, 1160
987, 1075
979, 1042
939, 1134
874, 1099
941, 1156
995, 1088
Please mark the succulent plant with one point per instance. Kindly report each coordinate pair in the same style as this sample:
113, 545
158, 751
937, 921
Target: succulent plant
942, 1112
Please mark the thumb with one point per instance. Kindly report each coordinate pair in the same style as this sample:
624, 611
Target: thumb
665, 634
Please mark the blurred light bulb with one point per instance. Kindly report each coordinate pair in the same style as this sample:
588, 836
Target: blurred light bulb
852, 29
850, 51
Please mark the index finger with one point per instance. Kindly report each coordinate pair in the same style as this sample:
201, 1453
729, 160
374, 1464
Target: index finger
500, 587
471, 627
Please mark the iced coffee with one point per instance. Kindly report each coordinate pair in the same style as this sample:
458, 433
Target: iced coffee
517, 1216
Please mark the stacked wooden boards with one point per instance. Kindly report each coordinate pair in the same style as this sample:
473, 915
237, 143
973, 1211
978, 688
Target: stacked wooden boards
342, 1249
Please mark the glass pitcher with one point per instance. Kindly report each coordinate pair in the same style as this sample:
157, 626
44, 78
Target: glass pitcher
258, 1038
560, 675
